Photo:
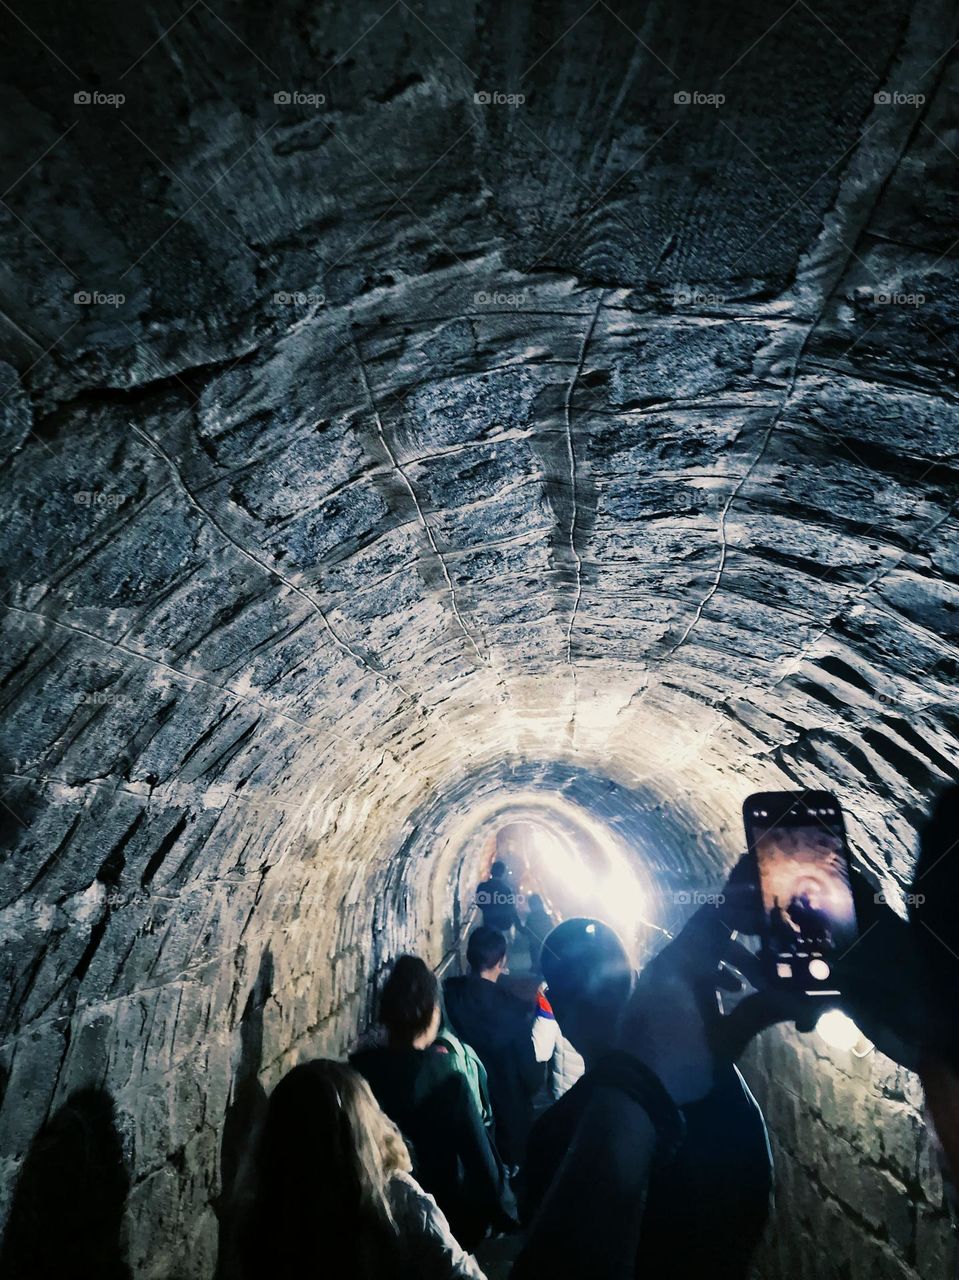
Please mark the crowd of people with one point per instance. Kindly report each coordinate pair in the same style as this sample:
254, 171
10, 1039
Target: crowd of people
465, 1120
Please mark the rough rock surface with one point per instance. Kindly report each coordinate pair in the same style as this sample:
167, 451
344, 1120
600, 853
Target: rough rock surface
445, 445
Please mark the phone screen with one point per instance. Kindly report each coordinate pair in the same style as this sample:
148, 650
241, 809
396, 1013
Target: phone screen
799, 842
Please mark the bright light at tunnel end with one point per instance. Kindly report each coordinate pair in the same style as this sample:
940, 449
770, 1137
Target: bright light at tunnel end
612, 891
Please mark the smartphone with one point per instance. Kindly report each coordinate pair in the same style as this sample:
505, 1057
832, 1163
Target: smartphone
798, 839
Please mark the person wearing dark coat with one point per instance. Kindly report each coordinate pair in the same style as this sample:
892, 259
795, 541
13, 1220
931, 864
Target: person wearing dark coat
499, 1026
496, 898
431, 1102
706, 1209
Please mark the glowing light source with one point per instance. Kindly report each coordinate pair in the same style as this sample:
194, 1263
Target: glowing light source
838, 1030
607, 887
622, 897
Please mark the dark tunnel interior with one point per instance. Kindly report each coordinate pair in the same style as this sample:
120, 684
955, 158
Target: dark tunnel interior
422, 417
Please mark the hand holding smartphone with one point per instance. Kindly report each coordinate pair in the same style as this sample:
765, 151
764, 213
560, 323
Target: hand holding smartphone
798, 840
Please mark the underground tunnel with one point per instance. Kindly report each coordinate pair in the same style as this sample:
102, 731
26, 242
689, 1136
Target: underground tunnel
426, 420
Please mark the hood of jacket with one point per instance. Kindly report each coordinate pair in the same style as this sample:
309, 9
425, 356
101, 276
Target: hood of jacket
475, 1002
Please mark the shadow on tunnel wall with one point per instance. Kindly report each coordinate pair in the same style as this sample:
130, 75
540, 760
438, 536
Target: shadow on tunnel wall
66, 1218
243, 1117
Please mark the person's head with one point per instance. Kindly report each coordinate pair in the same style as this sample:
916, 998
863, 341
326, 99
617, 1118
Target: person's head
324, 1159
486, 953
589, 979
535, 903
410, 1003
498, 871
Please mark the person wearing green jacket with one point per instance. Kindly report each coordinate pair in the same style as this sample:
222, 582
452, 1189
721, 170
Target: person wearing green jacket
431, 1099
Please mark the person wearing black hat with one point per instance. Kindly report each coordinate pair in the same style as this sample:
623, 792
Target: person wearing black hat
705, 1209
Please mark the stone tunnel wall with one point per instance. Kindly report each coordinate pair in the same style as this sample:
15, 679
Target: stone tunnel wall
619, 440
184, 1008
858, 1186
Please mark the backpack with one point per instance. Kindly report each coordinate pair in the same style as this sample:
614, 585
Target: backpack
464, 1059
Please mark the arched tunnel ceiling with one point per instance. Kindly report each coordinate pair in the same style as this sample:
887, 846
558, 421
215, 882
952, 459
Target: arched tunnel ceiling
437, 428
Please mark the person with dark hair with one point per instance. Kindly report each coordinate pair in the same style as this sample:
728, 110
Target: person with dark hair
589, 978
496, 899
409, 1002
706, 1210
499, 1026
332, 1181
900, 980
423, 1093
409, 1005
486, 951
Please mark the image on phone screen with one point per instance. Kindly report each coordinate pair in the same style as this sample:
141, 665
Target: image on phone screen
799, 843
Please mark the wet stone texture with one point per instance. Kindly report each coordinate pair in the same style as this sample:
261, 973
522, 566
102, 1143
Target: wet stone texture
396, 400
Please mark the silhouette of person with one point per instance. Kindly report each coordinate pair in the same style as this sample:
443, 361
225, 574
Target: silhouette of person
66, 1217
782, 931
812, 923
496, 899
244, 1114
673, 1050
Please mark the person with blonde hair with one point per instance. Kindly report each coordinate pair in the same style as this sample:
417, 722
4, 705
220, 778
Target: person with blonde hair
333, 1193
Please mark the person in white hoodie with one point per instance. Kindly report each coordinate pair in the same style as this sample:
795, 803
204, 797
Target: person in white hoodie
333, 1194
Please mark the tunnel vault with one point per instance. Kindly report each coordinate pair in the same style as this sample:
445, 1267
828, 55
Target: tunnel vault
408, 408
